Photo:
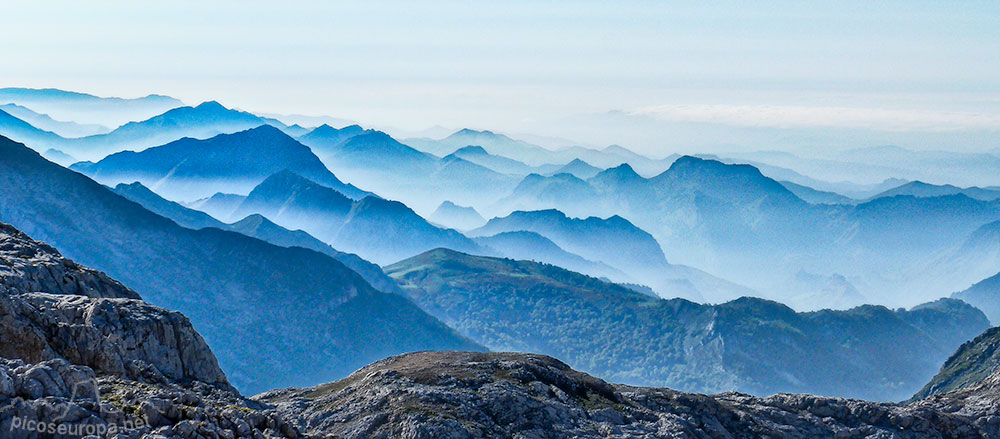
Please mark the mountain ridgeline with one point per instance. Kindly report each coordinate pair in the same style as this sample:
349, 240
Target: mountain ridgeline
188, 169
749, 345
257, 226
973, 363
252, 300
634, 254
380, 230
200, 122
374, 160
721, 217
81, 343
985, 295
86, 108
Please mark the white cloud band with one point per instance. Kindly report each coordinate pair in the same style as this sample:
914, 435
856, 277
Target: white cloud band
786, 116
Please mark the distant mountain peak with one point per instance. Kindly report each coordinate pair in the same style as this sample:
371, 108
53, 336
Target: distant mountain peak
690, 160
621, 177
457, 216
622, 151
624, 167
447, 204
326, 129
464, 132
615, 219
211, 105
254, 217
269, 130
323, 129
373, 135
688, 164
543, 213
134, 185
469, 131
472, 149
623, 171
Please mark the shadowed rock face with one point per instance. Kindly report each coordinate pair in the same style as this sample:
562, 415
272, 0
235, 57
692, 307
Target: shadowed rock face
472, 395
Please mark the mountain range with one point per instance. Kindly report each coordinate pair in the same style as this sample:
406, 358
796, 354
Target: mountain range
531, 246
219, 205
18, 129
503, 165
532, 155
297, 307
375, 160
203, 121
722, 217
612, 242
47, 123
81, 343
748, 345
86, 108
716, 218
206, 120
257, 226
382, 231
923, 190
248, 237
814, 196
188, 169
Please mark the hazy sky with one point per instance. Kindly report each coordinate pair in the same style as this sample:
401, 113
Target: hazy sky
522, 66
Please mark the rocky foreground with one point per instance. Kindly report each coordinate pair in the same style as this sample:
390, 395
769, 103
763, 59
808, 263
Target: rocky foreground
81, 354
482, 395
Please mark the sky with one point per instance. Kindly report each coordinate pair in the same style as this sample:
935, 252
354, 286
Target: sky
660, 75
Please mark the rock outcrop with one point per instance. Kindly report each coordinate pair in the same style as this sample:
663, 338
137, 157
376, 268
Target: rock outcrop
478, 395
29, 266
52, 308
81, 354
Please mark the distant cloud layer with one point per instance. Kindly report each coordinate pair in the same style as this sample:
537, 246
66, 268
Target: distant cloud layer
790, 116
